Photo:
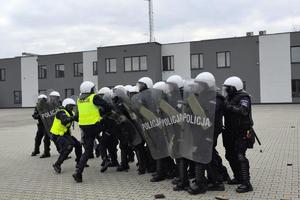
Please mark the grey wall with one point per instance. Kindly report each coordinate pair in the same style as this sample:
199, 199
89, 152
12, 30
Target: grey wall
295, 41
151, 50
12, 83
60, 84
244, 56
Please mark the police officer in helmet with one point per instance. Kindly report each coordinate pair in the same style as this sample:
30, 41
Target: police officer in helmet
61, 133
239, 134
90, 106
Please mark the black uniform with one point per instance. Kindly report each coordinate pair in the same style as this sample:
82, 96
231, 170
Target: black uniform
41, 132
238, 136
90, 132
66, 142
216, 171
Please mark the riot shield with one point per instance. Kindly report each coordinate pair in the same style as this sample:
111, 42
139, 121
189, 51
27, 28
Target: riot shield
198, 115
134, 137
147, 104
170, 107
47, 110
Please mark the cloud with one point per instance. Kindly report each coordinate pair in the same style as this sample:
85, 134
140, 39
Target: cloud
52, 26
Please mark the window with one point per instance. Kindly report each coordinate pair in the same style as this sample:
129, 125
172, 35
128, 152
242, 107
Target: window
111, 65
69, 92
168, 63
95, 68
223, 59
136, 63
17, 97
197, 61
295, 53
42, 91
59, 70
78, 70
296, 88
2, 74
42, 70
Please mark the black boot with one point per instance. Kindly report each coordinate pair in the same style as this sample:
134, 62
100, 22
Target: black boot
216, 187
106, 164
199, 185
45, 155
245, 175
142, 163
77, 177
183, 176
160, 175
35, 152
122, 168
124, 161
56, 168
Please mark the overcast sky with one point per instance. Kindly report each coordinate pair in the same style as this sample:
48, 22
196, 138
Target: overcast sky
52, 26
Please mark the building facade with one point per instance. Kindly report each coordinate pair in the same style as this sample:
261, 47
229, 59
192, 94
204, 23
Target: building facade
269, 65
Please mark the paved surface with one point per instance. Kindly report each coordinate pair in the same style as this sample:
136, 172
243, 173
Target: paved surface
25, 177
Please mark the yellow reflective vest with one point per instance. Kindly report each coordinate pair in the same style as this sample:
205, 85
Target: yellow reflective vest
58, 128
88, 111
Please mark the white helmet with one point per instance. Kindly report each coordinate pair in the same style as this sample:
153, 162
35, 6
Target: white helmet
68, 101
234, 81
175, 79
86, 87
134, 89
104, 90
160, 85
147, 81
42, 96
206, 77
128, 88
54, 94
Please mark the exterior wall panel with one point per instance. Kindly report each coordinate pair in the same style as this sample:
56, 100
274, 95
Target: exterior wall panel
275, 68
181, 53
244, 58
88, 58
151, 50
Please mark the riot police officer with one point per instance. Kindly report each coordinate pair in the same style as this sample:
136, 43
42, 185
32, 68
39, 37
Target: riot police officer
215, 169
41, 132
90, 106
61, 133
239, 135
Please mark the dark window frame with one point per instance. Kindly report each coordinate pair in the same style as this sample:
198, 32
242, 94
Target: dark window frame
42, 91
95, 72
56, 71
4, 78
20, 97
296, 93
76, 72
109, 61
226, 66
292, 56
69, 89
169, 63
199, 63
140, 70
40, 72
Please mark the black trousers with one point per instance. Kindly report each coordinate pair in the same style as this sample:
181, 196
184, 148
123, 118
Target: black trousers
108, 143
40, 134
89, 134
66, 144
235, 153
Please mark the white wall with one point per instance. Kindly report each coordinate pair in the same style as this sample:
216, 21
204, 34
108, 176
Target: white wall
88, 58
29, 80
181, 53
275, 68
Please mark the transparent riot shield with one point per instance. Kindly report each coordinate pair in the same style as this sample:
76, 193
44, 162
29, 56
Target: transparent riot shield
47, 110
170, 106
130, 120
198, 115
150, 115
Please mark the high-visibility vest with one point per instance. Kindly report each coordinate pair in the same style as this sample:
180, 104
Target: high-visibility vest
57, 127
88, 111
